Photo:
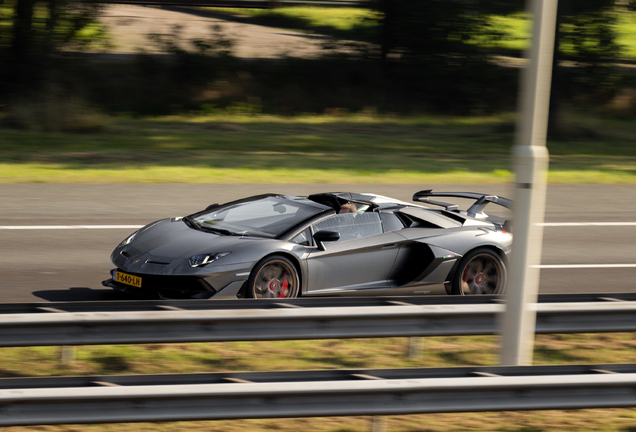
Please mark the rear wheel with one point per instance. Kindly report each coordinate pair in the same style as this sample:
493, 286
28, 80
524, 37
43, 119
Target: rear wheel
273, 277
481, 271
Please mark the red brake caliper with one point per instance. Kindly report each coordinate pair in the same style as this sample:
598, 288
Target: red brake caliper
283, 291
466, 274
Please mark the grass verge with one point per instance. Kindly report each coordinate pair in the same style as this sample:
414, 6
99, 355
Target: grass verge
326, 354
311, 149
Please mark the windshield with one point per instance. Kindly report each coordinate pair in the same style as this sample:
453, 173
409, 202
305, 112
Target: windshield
267, 216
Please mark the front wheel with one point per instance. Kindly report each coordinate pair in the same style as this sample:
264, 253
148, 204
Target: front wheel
273, 277
481, 271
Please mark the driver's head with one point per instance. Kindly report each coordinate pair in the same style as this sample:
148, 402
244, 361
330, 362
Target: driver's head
348, 208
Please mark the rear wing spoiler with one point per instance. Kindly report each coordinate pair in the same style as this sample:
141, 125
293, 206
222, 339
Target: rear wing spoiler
481, 200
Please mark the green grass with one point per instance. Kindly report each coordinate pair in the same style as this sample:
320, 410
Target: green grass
311, 149
330, 354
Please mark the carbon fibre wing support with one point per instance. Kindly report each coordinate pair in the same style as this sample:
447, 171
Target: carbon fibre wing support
481, 200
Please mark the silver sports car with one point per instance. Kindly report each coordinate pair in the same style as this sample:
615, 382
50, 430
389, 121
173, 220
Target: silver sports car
278, 246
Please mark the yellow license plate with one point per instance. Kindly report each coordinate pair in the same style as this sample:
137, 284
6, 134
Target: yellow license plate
128, 279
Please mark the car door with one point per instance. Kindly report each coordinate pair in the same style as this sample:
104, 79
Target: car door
361, 259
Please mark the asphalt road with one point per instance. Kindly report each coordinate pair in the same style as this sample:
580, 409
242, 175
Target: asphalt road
69, 264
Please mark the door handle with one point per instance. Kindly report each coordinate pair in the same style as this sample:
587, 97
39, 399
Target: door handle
389, 246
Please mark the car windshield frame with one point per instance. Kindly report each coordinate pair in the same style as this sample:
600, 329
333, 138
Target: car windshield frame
266, 216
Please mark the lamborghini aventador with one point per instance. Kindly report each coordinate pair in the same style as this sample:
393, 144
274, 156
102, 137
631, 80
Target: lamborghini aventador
341, 243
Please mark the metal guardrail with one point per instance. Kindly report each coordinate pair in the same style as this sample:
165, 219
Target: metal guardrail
304, 302
233, 395
252, 4
110, 399
291, 322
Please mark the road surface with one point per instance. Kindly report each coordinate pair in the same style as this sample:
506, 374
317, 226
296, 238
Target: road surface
47, 264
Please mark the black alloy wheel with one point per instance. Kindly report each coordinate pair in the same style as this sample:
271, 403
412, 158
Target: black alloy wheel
481, 271
273, 277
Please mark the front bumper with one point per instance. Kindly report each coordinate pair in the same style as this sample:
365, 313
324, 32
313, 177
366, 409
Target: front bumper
174, 287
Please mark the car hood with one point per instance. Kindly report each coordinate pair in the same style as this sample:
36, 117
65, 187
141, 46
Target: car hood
169, 243
175, 239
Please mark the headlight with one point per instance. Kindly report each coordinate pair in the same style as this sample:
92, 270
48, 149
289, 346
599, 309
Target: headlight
128, 239
201, 260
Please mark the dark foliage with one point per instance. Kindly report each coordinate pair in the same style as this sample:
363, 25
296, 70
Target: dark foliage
439, 28
425, 62
588, 27
29, 39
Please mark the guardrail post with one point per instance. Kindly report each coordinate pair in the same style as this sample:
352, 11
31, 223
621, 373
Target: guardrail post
531, 162
378, 424
68, 354
416, 347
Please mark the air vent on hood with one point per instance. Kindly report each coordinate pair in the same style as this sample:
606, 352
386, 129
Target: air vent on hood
149, 261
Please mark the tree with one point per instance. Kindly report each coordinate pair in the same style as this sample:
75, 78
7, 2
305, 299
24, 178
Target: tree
444, 35
585, 35
434, 29
38, 30
434, 44
23, 36
64, 21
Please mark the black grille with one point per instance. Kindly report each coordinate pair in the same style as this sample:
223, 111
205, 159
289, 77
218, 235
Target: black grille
187, 285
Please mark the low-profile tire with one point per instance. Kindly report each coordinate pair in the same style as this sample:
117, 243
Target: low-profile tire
481, 271
273, 277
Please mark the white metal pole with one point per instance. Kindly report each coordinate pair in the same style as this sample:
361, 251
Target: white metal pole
530, 158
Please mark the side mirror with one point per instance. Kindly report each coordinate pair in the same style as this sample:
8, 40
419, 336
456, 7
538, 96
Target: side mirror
211, 206
326, 236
